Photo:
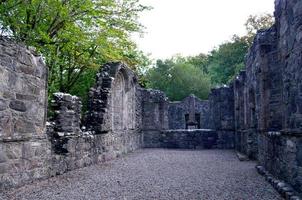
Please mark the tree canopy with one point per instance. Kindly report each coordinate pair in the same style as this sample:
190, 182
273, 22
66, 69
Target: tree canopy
75, 37
178, 78
227, 60
181, 76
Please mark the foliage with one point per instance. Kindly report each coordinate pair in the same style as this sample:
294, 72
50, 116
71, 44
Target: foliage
257, 22
75, 37
181, 76
178, 79
200, 61
227, 60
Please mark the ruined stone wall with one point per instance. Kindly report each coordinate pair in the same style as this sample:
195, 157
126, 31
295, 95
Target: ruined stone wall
280, 149
24, 149
75, 148
178, 113
114, 102
222, 116
258, 93
154, 118
29, 152
188, 139
165, 124
241, 140
268, 97
112, 126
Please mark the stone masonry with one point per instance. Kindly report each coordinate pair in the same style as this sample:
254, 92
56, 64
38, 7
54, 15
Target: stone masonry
121, 117
24, 148
167, 124
259, 113
32, 149
268, 97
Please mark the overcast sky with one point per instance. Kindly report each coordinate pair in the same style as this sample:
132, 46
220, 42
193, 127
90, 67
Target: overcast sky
190, 27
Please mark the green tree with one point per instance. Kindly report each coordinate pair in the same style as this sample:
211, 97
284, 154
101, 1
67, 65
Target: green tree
200, 61
257, 22
75, 36
178, 79
227, 60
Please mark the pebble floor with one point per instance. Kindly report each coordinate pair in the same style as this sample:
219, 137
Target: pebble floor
156, 174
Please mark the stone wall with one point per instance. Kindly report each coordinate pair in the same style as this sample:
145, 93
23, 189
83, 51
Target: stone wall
167, 124
184, 139
222, 116
155, 117
31, 150
268, 97
24, 149
259, 113
112, 126
178, 113
114, 102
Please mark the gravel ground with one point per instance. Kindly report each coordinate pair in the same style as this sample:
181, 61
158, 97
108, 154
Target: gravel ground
157, 174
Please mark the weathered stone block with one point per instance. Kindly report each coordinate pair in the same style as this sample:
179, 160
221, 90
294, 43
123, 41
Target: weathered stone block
25, 97
5, 125
3, 104
27, 151
17, 105
3, 157
27, 69
3, 168
24, 126
13, 151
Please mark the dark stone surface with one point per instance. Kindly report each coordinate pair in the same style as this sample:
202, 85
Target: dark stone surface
268, 114
182, 139
177, 112
222, 108
189, 139
18, 106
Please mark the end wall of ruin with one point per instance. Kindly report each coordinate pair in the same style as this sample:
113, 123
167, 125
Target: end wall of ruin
24, 148
178, 113
165, 123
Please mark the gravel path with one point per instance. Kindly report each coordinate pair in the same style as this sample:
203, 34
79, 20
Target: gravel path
157, 174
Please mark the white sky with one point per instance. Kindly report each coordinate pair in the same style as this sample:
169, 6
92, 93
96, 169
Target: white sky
190, 27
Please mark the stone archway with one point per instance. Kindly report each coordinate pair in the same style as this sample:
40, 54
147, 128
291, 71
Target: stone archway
118, 101
123, 102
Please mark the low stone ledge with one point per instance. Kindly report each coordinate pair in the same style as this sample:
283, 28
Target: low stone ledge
284, 132
189, 139
241, 156
22, 139
284, 189
188, 130
292, 132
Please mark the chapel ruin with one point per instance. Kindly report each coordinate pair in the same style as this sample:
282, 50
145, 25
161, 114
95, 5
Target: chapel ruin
259, 114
